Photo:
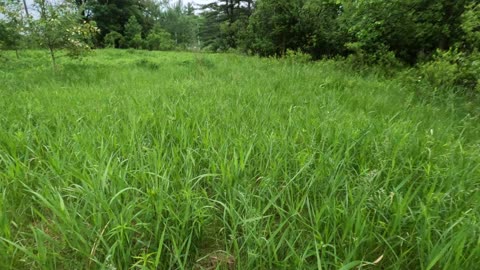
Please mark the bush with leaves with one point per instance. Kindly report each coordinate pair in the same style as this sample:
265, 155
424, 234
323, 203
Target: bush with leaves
471, 26
114, 40
382, 57
137, 42
452, 69
159, 39
297, 57
458, 67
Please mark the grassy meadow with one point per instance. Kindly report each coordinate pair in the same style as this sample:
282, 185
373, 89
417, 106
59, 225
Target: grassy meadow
168, 160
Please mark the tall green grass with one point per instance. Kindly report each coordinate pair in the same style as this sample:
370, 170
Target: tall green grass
146, 160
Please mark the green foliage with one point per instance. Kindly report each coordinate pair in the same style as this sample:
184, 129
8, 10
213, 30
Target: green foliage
60, 27
381, 57
297, 57
137, 42
114, 15
160, 40
450, 69
173, 16
224, 25
168, 160
12, 26
114, 40
406, 28
375, 32
325, 34
133, 33
275, 27
471, 25
79, 40
3, 33
181, 23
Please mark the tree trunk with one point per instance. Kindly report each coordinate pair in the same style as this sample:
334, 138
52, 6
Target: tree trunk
26, 8
52, 55
16, 53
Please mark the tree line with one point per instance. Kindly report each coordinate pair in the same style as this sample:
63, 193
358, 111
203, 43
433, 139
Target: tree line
387, 32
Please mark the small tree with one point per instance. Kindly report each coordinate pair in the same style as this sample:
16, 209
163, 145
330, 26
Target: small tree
61, 27
159, 39
133, 33
11, 25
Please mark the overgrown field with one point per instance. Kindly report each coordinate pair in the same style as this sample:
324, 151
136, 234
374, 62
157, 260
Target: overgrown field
143, 160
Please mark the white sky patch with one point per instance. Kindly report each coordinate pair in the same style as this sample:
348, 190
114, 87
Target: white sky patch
202, 2
33, 12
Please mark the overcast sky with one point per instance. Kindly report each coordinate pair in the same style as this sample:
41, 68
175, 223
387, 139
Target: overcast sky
201, 1
185, 1
32, 12
30, 3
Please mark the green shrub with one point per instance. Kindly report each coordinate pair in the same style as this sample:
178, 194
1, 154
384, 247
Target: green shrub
471, 25
137, 42
159, 40
383, 57
452, 69
297, 56
114, 40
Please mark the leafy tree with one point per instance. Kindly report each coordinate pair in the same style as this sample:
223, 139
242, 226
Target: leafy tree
133, 33
114, 15
408, 28
458, 66
325, 35
181, 22
311, 26
175, 17
160, 39
225, 23
276, 26
210, 27
12, 25
375, 30
60, 27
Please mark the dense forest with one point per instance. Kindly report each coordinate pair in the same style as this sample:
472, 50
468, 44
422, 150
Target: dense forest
441, 35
